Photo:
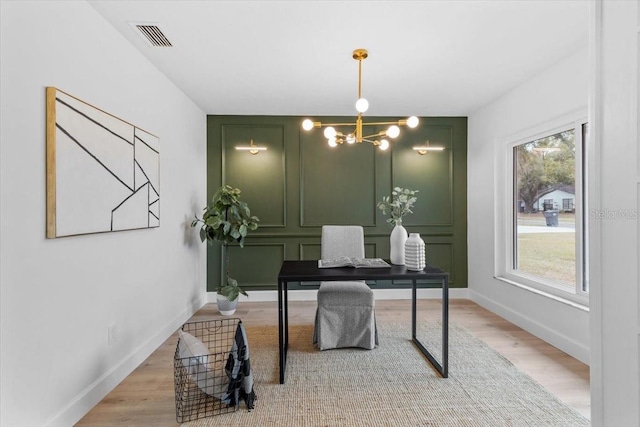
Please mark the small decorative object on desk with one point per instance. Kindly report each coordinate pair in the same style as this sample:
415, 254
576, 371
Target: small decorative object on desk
403, 200
414, 256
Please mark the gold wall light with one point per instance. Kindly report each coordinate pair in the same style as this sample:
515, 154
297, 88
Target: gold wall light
356, 132
251, 148
424, 149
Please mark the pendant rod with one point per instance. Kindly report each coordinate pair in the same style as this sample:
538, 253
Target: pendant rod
359, 79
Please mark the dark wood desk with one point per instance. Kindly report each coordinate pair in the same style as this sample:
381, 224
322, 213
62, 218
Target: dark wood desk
308, 271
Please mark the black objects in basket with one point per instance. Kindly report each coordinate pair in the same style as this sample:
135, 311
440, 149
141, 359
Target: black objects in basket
212, 371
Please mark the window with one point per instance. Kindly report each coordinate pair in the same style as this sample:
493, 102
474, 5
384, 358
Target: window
567, 205
545, 246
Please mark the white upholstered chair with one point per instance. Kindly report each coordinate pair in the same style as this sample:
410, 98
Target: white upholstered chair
345, 316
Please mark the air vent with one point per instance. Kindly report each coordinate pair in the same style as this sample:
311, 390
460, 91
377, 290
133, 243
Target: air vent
152, 34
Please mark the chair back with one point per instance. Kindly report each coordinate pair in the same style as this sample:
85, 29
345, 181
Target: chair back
342, 240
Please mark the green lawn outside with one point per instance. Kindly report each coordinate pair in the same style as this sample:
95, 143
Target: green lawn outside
551, 256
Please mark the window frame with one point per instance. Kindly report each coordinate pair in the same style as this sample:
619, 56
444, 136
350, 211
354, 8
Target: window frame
506, 219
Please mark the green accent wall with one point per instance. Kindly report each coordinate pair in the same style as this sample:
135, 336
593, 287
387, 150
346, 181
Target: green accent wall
300, 183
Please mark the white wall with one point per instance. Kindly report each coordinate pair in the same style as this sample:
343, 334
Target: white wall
58, 296
615, 306
558, 91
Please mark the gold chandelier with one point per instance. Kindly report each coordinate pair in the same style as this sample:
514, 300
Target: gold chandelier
335, 137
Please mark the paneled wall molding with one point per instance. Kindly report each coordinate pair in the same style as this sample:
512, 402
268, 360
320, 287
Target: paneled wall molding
300, 184
337, 186
408, 169
255, 264
236, 166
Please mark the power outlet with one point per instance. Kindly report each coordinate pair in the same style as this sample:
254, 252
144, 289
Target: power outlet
113, 333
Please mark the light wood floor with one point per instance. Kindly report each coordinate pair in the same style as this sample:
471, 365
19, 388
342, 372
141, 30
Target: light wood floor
146, 397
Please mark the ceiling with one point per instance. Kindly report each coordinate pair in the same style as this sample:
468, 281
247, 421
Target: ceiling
426, 58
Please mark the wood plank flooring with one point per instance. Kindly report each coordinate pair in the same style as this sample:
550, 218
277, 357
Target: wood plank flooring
146, 397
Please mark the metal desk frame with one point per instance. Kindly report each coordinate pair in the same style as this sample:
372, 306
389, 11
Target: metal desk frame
308, 271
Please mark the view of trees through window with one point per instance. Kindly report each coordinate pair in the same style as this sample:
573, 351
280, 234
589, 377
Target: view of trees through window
545, 194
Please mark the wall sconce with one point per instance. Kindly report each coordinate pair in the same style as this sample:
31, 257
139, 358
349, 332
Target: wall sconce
424, 149
252, 148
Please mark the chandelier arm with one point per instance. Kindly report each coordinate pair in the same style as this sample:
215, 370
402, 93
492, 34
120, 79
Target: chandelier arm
336, 124
383, 133
371, 141
398, 123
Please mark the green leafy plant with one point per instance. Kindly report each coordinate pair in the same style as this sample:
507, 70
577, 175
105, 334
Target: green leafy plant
227, 220
398, 204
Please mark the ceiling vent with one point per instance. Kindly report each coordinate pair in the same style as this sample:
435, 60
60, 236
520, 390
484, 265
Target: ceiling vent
151, 33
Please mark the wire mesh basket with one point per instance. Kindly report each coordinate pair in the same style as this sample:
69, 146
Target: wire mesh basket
201, 379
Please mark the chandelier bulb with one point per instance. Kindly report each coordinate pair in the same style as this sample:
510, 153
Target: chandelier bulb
332, 142
351, 138
362, 105
384, 144
393, 131
307, 124
330, 133
412, 122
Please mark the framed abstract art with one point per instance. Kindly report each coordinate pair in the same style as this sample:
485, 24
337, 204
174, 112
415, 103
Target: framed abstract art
103, 173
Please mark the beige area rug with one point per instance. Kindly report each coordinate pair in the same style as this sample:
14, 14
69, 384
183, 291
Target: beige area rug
393, 385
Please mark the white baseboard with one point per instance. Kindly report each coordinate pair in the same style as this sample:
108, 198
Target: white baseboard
95, 392
380, 294
553, 337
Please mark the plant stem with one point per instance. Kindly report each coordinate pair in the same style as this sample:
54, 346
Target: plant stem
226, 257
226, 253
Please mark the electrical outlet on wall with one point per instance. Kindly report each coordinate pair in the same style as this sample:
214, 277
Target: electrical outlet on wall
113, 333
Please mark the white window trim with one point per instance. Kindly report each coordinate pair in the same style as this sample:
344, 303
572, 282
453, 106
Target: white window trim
505, 218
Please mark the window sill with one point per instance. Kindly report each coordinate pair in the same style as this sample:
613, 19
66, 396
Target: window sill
560, 299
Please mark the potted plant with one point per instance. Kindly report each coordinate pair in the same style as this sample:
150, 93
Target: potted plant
226, 219
398, 205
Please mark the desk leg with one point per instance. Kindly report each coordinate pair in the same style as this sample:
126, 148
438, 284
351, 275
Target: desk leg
281, 330
442, 369
414, 309
445, 327
286, 321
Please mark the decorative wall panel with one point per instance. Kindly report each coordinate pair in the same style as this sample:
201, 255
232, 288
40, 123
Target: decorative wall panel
337, 186
260, 177
256, 264
303, 184
431, 174
103, 174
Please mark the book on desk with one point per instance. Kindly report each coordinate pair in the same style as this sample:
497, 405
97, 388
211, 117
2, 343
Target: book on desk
353, 262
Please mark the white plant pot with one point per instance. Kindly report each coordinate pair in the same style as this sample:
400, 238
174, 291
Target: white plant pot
226, 307
396, 242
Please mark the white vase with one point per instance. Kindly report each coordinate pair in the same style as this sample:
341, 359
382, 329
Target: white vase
414, 255
226, 307
396, 243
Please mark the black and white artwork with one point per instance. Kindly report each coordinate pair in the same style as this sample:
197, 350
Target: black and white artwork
102, 172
